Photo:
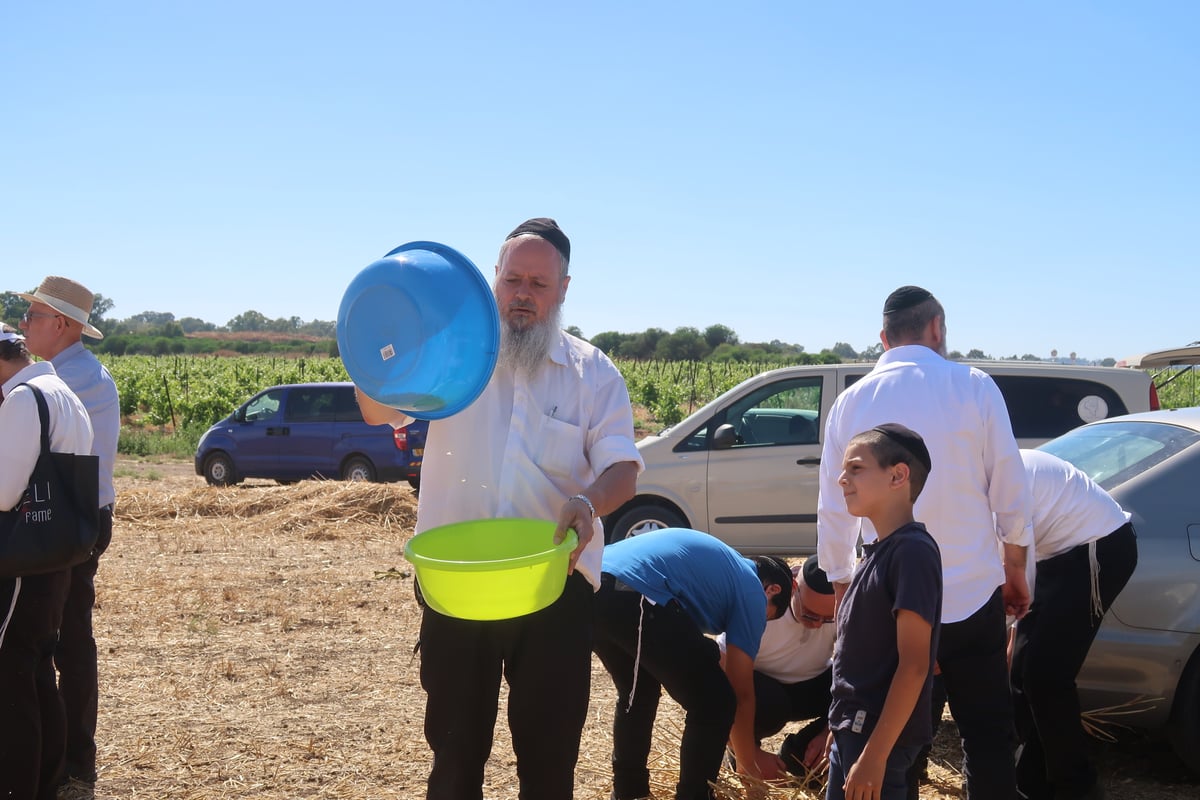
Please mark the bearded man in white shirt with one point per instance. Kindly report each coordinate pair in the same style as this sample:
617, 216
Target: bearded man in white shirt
550, 437
976, 507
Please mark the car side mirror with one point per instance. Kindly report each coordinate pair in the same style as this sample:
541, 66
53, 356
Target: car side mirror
725, 437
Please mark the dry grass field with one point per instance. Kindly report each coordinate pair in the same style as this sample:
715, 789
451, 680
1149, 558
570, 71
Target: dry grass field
256, 642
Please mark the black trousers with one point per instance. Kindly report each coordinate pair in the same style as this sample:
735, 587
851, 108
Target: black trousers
1051, 644
32, 726
75, 658
546, 658
972, 654
674, 655
777, 703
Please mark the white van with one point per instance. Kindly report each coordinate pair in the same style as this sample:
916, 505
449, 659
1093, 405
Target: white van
745, 467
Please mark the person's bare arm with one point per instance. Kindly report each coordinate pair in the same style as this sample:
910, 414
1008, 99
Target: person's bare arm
865, 777
751, 759
376, 413
607, 493
815, 753
1016, 583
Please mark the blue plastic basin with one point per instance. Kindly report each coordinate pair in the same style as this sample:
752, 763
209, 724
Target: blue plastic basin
418, 330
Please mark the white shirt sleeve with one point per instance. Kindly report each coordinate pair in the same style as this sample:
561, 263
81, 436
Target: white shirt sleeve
21, 432
1008, 487
837, 528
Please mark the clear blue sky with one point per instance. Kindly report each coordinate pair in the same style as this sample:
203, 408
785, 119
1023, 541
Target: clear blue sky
777, 167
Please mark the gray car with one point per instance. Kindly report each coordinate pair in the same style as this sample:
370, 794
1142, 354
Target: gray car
1147, 651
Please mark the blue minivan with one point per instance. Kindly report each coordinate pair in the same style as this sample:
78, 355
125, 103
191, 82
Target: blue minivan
308, 430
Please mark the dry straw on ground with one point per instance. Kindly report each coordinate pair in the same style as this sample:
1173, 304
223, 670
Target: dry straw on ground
256, 642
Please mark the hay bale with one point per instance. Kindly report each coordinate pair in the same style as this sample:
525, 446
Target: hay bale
315, 509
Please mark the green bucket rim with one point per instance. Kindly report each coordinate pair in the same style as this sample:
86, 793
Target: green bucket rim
569, 543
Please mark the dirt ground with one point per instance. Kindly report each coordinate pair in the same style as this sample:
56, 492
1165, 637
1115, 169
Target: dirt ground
256, 642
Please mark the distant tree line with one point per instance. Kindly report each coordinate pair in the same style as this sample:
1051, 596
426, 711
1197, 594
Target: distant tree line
714, 343
160, 333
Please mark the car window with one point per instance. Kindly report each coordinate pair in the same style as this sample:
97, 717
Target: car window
309, 404
698, 440
1045, 406
345, 405
263, 406
1042, 407
1115, 452
784, 412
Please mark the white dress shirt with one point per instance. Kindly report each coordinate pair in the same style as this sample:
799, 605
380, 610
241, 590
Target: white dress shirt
790, 652
1068, 507
526, 445
21, 430
977, 470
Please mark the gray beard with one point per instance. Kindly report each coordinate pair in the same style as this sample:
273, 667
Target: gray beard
525, 349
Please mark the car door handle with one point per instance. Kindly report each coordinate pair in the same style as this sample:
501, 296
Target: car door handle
278, 431
809, 462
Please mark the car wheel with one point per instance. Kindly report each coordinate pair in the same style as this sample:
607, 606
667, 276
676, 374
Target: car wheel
644, 518
358, 468
1185, 716
218, 470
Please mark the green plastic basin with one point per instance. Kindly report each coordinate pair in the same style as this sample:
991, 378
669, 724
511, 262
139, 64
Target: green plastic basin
490, 568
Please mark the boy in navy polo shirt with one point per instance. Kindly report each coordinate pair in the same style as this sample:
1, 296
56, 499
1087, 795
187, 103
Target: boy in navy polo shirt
888, 621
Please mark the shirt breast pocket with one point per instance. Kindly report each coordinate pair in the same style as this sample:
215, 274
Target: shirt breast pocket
560, 452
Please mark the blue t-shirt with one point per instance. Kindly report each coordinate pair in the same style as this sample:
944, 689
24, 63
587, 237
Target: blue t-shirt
901, 571
717, 586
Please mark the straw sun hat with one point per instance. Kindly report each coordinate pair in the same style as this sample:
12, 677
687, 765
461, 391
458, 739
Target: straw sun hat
71, 299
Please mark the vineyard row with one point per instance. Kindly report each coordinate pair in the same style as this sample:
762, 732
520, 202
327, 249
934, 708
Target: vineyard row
189, 391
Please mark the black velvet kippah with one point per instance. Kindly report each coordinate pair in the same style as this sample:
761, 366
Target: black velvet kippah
909, 439
547, 229
815, 577
904, 298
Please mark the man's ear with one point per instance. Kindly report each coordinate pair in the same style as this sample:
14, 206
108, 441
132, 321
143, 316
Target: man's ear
935, 333
900, 475
772, 589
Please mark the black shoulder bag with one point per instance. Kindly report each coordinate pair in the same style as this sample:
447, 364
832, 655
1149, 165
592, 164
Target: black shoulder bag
57, 522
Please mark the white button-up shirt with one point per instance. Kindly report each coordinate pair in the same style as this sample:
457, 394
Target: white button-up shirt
1069, 508
790, 651
526, 445
21, 430
977, 470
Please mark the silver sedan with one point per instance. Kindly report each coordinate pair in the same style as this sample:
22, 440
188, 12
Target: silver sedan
1147, 653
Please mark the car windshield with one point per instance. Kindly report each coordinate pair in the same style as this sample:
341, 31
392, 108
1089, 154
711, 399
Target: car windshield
1113, 452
